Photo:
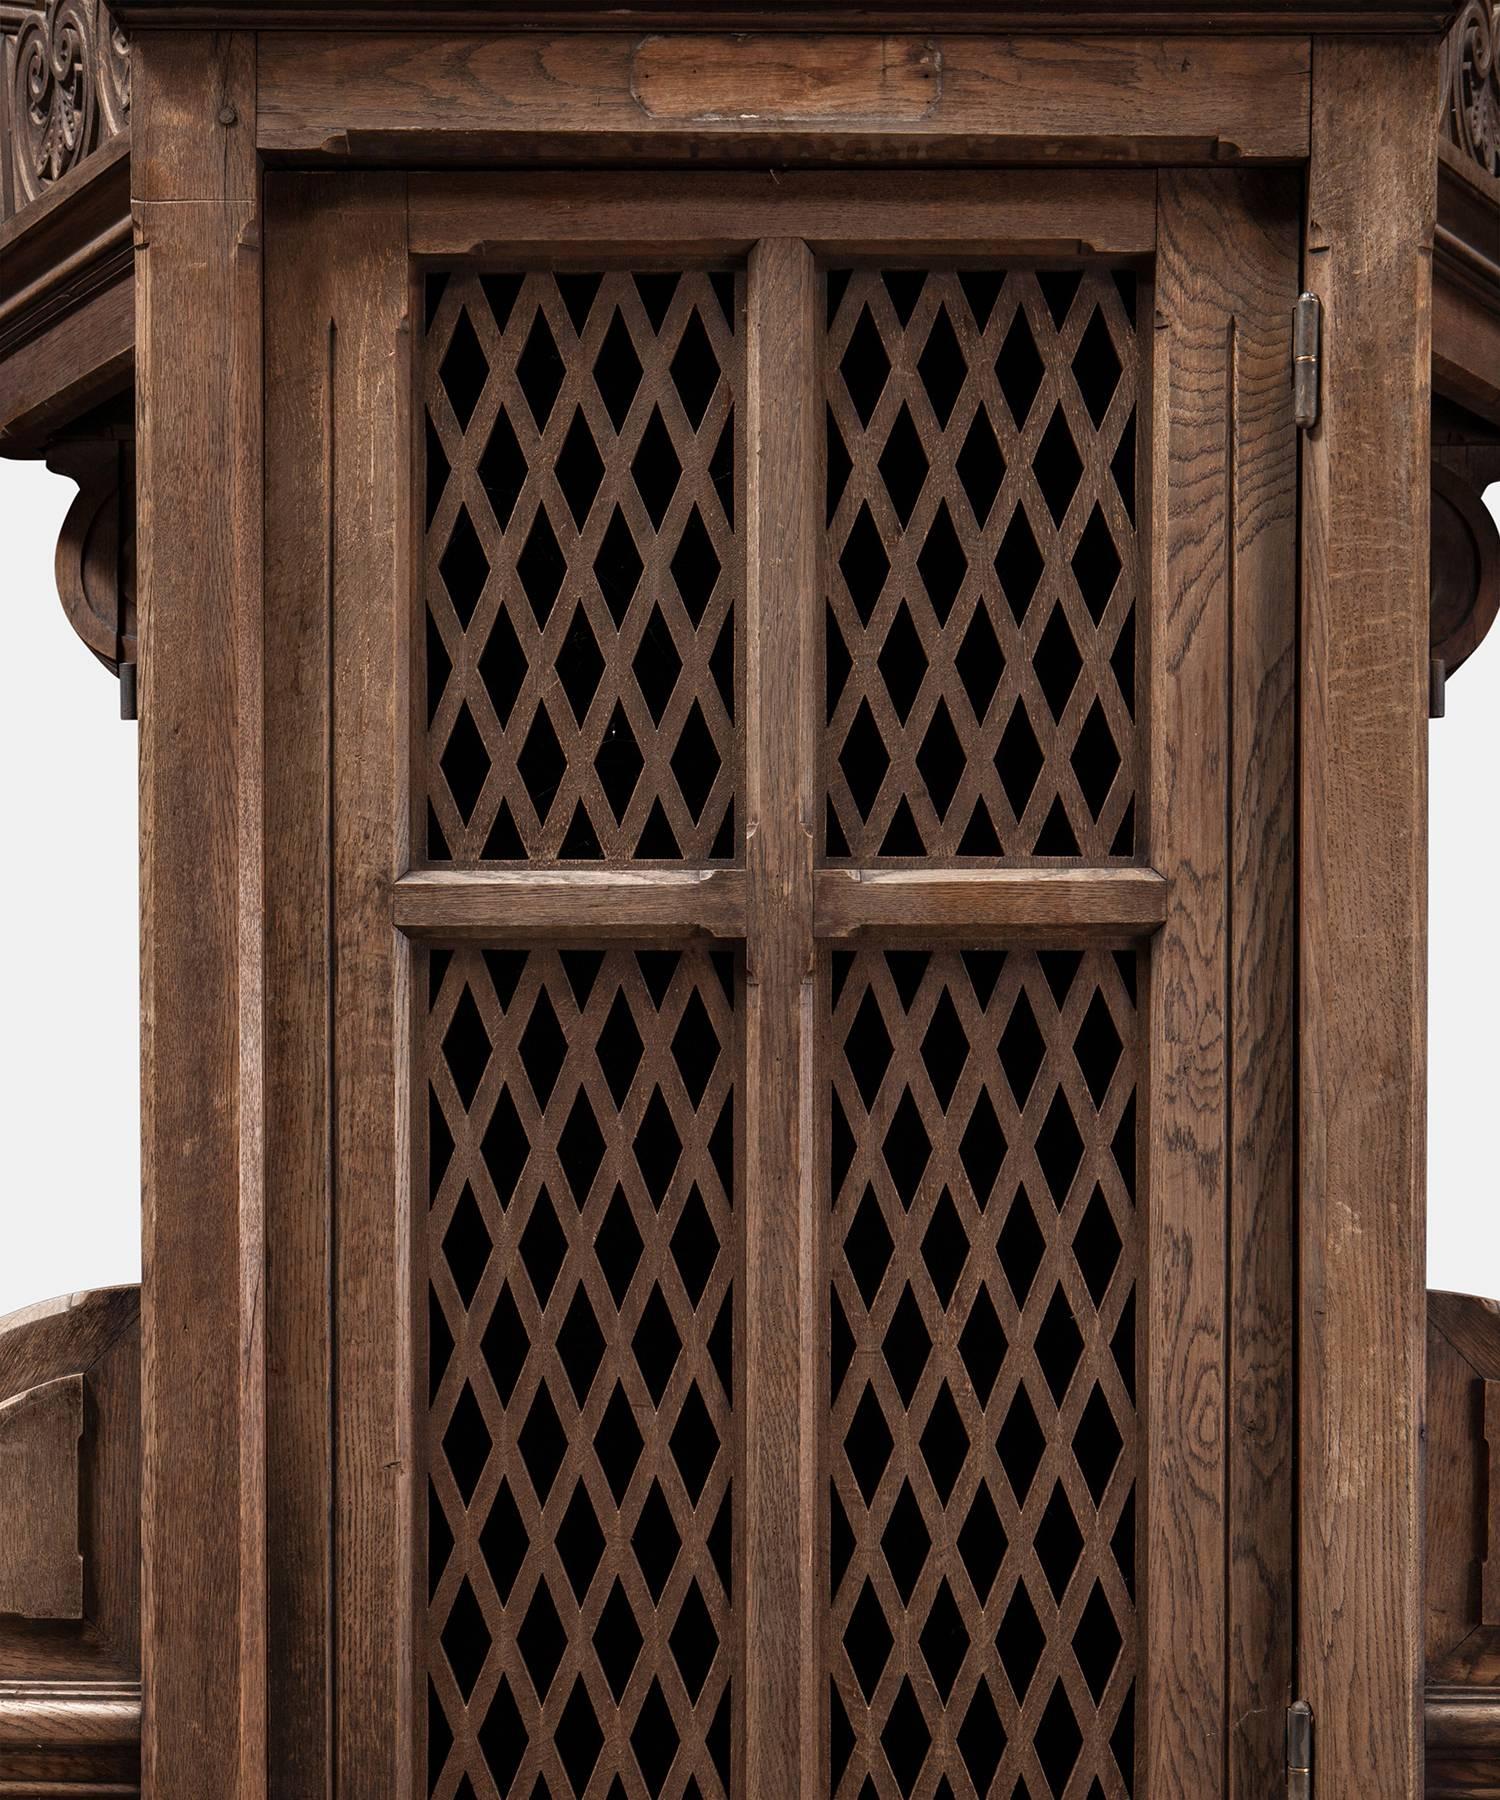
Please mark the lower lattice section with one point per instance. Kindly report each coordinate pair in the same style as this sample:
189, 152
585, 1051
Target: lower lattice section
581, 1262
982, 1435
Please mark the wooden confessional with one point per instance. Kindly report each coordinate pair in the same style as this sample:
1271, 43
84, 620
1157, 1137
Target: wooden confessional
783, 658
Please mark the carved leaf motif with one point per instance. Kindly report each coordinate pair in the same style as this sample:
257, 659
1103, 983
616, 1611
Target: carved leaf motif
1471, 86
72, 90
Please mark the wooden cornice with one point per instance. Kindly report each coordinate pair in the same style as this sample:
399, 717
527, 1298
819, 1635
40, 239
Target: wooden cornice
1121, 17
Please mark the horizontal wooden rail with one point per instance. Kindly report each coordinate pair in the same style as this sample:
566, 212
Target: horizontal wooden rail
1063, 907
558, 905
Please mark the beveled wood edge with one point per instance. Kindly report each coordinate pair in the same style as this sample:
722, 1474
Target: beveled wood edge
549, 906
1471, 1325
1271, 17
1069, 908
58, 1714
63, 1336
1065, 908
1461, 1721
1052, 211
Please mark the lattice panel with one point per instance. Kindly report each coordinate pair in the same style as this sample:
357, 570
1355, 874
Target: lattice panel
581, 1252
983, 1438
981, 564
581, 566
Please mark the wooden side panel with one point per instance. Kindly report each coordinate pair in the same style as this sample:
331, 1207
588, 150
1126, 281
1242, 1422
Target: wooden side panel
1364, 914
339, 1435
199, 433
41, 1569
1261, 1129
299, 425
783, 1304
364, 247
1219, 1208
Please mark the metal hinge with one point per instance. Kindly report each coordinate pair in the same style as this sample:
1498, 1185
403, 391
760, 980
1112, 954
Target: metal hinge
1307, 359
1299, 1751
129, 693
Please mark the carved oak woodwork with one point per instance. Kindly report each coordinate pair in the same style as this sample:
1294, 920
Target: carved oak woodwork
96, 546
720, 826
70, 1484
66, 71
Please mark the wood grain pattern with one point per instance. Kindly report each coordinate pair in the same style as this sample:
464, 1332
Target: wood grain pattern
595, 97
368, 575
199, 438
453, 906
1061, 907
299, 957
41, 1567
1273, 17
683, 77
779, 1541
541, 217
1363, 910
1261, 268
1221, 754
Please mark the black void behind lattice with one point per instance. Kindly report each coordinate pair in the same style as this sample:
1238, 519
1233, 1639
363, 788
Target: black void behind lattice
982, 1440
981, 564
581, 567
581, 1253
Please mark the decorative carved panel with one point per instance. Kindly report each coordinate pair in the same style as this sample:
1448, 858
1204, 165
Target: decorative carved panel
66, 69
1471, 86
982, 564
582, 567
581, 1250
982, 1434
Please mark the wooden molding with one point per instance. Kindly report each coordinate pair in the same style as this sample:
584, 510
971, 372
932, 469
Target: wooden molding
1273, 17
625, 96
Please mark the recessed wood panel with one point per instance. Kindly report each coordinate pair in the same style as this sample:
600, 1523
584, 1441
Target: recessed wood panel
582, 1254
981, 1439
582, 567
981, 564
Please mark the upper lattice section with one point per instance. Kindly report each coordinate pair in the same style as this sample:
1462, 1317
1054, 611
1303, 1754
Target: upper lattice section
981, 566
582, 567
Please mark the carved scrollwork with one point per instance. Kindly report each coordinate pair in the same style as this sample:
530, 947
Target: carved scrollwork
1471, 85
70, 90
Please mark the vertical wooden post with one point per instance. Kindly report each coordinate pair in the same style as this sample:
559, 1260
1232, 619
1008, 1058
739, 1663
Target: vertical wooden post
781, 1602
1364, 913
196, 196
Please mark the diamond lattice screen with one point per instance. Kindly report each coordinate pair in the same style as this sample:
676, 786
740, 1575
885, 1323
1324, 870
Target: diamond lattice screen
581, 569
981, 564
982, 1441
581, 1251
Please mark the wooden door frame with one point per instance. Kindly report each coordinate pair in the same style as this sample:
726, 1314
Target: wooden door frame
206, 1095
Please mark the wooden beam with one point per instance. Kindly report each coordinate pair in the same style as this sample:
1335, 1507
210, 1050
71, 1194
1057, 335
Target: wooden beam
1062, 908
777, 1588
537, 906
196, 188
621, 96
1366, 488
531, 217
1267, 17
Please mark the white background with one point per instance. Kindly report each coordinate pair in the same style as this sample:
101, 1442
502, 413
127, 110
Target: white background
69, 1111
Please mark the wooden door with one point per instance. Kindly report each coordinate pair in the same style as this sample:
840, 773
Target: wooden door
780, 748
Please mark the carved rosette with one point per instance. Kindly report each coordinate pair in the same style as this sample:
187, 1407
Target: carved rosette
71, 90
1471, 85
